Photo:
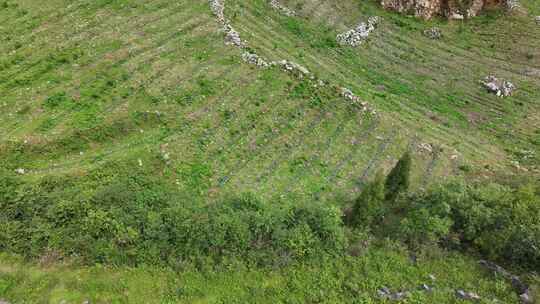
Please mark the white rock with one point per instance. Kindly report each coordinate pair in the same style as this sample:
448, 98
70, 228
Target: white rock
20, 171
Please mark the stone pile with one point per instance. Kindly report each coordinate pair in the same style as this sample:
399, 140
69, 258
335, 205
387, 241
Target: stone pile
359, 34
255, 59
499, 87
433, 33
283, 9
231, 35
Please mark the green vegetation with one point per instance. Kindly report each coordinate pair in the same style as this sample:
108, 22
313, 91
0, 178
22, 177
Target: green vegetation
345, 280
130, 133
398, 181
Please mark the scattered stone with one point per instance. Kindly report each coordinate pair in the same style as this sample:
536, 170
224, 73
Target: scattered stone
255, 59
292, 67
521, 288
433, 33
499, 87
283, 9
351, 97
232, 37
398, 296
426, 287
20, 171
359, 34
432, 277
385, 293
467, 295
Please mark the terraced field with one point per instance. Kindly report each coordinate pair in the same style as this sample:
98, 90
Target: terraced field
97, 88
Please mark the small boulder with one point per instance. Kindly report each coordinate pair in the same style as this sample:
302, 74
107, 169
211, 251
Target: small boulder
537, 19
499, 87
20, 171
526, 298
426, 287
467, 295
433, 33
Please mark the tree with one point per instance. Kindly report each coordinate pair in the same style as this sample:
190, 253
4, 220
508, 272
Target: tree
398, 179
369, 206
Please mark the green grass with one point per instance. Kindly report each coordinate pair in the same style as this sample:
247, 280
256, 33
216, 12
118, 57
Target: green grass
348, 280
76, 81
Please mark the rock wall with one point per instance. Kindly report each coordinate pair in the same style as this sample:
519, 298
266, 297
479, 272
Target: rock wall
427, 9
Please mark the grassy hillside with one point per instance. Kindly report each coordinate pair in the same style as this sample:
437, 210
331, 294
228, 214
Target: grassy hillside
85, 84
126, 125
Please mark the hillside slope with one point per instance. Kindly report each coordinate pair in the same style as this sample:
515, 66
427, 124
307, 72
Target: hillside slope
87, 84
127, 126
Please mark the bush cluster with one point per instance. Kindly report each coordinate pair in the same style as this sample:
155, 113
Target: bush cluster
500, 222
137, 220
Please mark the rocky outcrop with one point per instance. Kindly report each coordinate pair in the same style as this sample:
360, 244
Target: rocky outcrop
453, 9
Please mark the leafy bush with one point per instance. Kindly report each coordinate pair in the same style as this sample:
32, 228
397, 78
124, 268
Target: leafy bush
137, 219
427, 220
501, 222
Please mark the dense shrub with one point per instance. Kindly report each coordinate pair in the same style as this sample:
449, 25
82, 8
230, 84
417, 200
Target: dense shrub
500, 222
427, 220
398, 179
369, 207
136, 219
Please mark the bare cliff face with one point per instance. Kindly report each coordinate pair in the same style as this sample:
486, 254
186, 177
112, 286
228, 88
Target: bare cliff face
453, 9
